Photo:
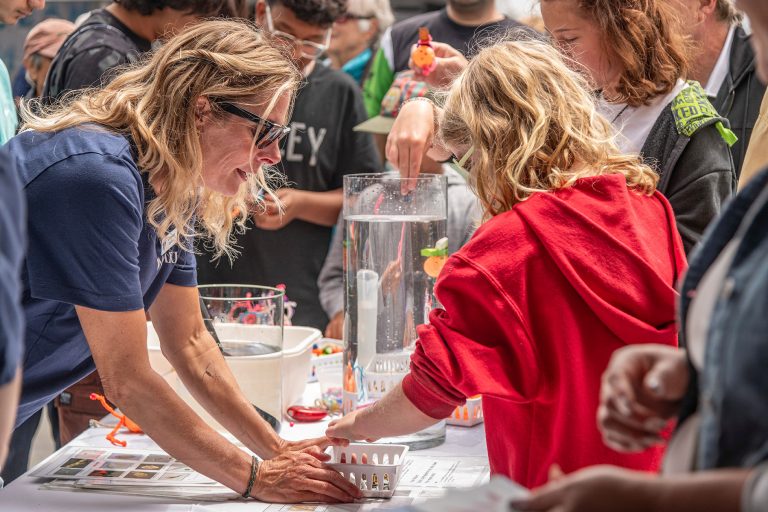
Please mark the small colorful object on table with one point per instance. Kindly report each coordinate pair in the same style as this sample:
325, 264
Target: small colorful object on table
423, 55
124, 421
469, 414
436, 257
328, 353
303, 413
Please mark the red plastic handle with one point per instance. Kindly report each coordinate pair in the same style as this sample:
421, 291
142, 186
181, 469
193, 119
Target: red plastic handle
306, 414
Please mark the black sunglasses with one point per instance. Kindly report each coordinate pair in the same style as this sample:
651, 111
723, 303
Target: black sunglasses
270, 132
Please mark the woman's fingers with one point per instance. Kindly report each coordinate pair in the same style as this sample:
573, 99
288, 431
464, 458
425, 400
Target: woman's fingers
331, 483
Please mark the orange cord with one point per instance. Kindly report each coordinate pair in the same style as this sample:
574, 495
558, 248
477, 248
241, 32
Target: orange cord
124, 421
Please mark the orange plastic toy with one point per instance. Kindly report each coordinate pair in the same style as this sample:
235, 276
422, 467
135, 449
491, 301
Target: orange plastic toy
434, 264
424, 55
436, 257
124, 422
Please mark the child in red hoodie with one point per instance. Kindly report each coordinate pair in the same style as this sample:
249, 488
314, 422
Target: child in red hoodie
578, 257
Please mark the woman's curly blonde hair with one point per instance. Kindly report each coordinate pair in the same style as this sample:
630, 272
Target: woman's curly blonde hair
533, 127
154, 102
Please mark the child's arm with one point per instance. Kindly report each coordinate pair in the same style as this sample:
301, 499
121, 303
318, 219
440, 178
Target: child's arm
393, 415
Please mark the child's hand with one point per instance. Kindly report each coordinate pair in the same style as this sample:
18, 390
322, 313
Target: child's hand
347, 428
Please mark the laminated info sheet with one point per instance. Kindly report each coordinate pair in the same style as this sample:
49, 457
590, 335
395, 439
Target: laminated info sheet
443, 472
120, 467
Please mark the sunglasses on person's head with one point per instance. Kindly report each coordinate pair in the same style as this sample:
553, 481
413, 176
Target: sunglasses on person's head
270, 132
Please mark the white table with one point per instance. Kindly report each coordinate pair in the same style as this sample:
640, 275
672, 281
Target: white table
25, 495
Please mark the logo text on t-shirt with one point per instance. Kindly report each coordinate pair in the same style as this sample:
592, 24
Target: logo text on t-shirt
315, 138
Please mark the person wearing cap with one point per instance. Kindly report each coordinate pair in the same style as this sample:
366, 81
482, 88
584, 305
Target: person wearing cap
355, 36
40, 47
463, 207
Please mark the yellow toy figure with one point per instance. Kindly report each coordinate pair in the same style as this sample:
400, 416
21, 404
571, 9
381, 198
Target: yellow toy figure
424, 55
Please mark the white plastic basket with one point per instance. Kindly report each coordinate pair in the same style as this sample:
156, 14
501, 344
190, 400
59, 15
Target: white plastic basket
377, 478
385, 372
469, 414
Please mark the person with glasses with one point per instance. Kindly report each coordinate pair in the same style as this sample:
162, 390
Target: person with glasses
356, 35
119, 34
577, 256
118, 182
290, 238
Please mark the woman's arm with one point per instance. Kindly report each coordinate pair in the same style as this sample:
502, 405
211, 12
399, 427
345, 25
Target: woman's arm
118, 344
197, 359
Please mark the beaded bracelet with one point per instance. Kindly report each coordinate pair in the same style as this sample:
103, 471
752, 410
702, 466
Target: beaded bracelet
254, 469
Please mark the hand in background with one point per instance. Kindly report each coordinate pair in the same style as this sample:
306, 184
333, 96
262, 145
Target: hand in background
270, 217
641, 391
335, 328
594, 489
449, 63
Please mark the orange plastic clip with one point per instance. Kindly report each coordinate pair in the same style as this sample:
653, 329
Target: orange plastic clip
124, 421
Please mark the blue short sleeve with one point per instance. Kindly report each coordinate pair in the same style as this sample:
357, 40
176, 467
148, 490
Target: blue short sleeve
184, 273
84, 231
11, 257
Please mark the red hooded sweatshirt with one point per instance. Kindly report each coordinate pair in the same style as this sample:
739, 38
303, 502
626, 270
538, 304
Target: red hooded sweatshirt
534, 306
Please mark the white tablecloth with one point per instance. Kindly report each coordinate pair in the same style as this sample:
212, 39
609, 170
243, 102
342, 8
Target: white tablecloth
24, 494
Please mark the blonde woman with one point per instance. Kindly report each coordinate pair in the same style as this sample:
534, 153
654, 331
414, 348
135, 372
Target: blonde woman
578, 257
114, 182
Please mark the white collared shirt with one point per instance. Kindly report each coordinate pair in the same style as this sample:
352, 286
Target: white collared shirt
720, 71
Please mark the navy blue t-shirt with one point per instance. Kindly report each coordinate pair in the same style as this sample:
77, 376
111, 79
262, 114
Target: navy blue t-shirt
89, 245
11, 257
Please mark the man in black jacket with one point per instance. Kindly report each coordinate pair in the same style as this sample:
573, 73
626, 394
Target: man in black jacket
725, 66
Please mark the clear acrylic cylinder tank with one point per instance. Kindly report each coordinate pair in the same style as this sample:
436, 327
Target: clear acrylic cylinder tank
395, 244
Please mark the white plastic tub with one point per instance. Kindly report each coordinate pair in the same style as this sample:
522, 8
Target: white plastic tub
251, 372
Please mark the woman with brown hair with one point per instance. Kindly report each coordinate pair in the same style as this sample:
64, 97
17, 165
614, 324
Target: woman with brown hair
577, 257
118, 182
636, 59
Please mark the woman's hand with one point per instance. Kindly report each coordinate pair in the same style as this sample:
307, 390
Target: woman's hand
449, 63
595, 489
641, 391
298, 476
